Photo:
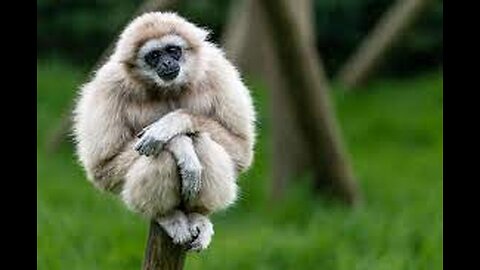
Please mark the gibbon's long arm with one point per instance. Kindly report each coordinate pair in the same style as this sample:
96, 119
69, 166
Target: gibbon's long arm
118, 103
106, 145
153, 137
113, 164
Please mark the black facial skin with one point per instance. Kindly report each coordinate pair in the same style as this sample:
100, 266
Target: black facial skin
165, 61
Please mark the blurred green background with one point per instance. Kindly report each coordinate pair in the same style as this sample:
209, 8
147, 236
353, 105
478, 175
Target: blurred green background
393, 128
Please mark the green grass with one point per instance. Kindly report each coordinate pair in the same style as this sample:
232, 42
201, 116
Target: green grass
394, 133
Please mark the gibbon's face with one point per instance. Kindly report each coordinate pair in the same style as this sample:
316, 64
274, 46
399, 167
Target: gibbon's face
165, 61
163, 50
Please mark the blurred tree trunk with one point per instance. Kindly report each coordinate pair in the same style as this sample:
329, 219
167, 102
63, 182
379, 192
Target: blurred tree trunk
371, 52
234, 38
59, 133
249, 44
304, 130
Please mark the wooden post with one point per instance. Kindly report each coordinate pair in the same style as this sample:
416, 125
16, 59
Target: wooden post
56, 136
161, 253
382, 38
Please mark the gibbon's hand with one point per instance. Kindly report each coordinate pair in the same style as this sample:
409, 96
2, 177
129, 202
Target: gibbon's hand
154, 137
148, 145
152, 141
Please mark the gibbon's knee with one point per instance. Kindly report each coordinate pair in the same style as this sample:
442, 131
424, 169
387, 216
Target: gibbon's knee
218, 186
152, 186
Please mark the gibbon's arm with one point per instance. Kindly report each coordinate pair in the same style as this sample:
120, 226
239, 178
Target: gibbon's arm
106, 149
105, 145
237, 145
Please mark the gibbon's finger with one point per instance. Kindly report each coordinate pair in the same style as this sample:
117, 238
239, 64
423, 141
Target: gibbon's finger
139, 144
202, 238
157, 149
143, 145
147, 151
195, 231
140, 134
154, 149
149, 147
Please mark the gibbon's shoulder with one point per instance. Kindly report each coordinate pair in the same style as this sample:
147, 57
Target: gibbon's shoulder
110, 79
218, 65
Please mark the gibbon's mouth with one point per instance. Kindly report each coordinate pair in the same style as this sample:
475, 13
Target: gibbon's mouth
168, 75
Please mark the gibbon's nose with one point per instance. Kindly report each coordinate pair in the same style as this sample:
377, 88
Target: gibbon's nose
168, 69
167, 63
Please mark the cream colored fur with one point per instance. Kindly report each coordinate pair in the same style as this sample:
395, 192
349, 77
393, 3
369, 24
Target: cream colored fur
210, 100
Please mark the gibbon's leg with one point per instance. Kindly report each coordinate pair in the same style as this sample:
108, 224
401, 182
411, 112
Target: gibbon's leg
152, 186
189, 166
201, 229
218, 187
176, 225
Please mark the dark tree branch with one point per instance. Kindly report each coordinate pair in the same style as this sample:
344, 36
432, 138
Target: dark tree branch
372, 51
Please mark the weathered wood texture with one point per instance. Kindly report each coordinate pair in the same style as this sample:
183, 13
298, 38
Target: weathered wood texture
161, 253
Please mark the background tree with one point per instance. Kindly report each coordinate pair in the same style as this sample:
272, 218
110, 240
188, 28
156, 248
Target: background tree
281, 49
384, 36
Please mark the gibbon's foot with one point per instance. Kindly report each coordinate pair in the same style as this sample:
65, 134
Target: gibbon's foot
201, 229
176, 225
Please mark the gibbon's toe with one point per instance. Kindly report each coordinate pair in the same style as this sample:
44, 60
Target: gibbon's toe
182, 236
202, 231
177, 227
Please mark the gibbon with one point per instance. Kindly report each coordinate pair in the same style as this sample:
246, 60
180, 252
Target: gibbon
168, 125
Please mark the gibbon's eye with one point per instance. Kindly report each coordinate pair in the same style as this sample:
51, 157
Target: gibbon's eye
174, 51
152, 58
